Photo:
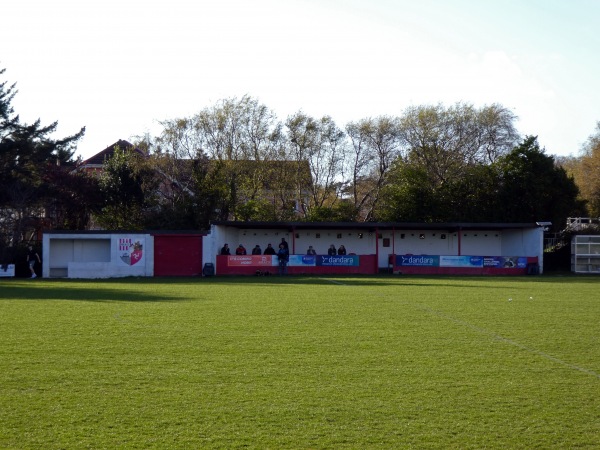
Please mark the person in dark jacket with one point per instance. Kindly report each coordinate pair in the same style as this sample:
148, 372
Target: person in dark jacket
341, 250
32, 257
284, 255
225, 250
285, 244
269, 250
257, 250
332, 251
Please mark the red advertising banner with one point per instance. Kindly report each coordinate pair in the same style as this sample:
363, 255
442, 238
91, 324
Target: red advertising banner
250, 260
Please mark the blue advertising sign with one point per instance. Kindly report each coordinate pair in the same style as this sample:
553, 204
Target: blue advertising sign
418, 260
302, 260
349, 260
506, 262
461, 261
517, 262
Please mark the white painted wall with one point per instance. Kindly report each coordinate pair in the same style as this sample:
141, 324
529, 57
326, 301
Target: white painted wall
410, 242
95, 256
7, 271
483, 243
361, 243
527, 242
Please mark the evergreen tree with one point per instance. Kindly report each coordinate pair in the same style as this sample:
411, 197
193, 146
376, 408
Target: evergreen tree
27, 155
534, 188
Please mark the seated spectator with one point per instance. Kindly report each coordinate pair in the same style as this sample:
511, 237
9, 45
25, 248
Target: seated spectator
241, 250
225, 250
311, 250
341, 250
257, 250
332, 250
269, 250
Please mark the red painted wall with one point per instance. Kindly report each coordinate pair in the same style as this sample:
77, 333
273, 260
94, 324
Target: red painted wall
177, 255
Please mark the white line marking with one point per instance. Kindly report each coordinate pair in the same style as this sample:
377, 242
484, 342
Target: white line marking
509, 341
492, 334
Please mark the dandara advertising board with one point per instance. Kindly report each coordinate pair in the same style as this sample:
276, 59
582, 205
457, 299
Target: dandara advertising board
506, 262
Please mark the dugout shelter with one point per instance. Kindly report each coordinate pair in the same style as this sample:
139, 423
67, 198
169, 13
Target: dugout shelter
381, 247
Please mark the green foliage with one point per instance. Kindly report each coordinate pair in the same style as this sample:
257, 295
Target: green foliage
585, 169
408, 197
347, 362
29, 160
73, 198
237, 161
524, 185
341, 211
534, 188
256, 210
473, 197
128, 188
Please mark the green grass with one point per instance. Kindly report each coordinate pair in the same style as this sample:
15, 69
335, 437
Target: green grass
346, 362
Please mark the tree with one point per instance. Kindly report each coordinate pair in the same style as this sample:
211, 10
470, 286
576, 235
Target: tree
321, 145
242, 142
446, 141
533, 187
376, 144
73, 198
408, 196
524, 185
128, 187
473, 197
242, 137
585, 169
27, 158
239, 134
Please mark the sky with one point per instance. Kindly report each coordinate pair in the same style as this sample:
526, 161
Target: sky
119, 67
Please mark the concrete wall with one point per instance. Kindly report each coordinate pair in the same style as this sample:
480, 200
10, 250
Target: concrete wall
7, 271
526, 242
425, 243
361, 243
484, 243
502, 242
98, 255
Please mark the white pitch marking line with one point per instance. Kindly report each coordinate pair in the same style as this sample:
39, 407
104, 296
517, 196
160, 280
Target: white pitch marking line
509, 341
500, 338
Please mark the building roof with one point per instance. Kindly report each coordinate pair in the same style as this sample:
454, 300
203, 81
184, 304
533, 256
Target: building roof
377, 226
99, 158
151, 232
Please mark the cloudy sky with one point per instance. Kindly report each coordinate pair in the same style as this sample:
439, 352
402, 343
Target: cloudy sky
119, 67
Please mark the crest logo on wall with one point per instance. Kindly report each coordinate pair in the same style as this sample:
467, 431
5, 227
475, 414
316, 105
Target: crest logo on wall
130, 251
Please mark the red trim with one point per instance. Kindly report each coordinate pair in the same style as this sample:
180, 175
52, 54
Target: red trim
415, 270
368, 266
458, 271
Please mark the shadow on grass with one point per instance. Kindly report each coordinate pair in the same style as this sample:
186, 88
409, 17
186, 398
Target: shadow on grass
102, 293
108, 290
401, 280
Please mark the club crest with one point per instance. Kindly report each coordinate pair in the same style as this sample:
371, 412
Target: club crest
130, 252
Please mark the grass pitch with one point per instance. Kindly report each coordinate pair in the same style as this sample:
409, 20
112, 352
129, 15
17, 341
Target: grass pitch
301, 362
